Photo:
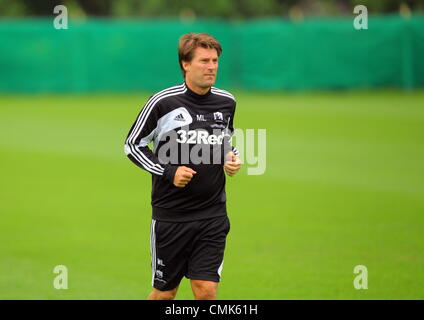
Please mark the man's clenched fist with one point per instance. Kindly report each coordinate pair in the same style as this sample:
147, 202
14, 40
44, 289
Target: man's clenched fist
183, 176
232, 164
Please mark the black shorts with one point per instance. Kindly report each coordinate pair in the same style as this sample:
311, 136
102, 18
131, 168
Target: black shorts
193, 249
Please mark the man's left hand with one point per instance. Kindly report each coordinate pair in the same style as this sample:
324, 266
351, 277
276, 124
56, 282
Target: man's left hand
232, 165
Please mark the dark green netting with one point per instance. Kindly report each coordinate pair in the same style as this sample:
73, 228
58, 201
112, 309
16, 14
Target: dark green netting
122, 55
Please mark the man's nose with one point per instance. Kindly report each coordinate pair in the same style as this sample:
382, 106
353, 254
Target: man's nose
211, 65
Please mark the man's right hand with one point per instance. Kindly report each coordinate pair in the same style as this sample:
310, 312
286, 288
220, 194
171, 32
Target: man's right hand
183, 176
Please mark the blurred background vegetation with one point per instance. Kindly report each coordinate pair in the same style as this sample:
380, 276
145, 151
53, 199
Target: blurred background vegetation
230, 9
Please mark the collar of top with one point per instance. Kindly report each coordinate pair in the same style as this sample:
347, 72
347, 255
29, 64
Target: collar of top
196, 95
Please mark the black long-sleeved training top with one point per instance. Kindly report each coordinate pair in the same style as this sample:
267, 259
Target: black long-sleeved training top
186, 129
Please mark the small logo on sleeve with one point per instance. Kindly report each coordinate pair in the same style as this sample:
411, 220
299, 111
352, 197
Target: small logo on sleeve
179, 117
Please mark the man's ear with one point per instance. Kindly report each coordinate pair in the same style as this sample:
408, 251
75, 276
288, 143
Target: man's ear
186, 65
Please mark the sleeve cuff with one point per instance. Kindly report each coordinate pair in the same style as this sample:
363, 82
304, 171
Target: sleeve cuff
169, 173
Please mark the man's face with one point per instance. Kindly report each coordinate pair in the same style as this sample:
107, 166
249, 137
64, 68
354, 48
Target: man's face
201, 70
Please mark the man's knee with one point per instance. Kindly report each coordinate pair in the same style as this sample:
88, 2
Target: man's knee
162, 295
204, 290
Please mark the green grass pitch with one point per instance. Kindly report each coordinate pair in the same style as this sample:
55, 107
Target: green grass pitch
344, 186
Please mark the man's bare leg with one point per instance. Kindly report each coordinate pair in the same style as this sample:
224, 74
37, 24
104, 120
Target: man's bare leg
162, 295
204, 290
